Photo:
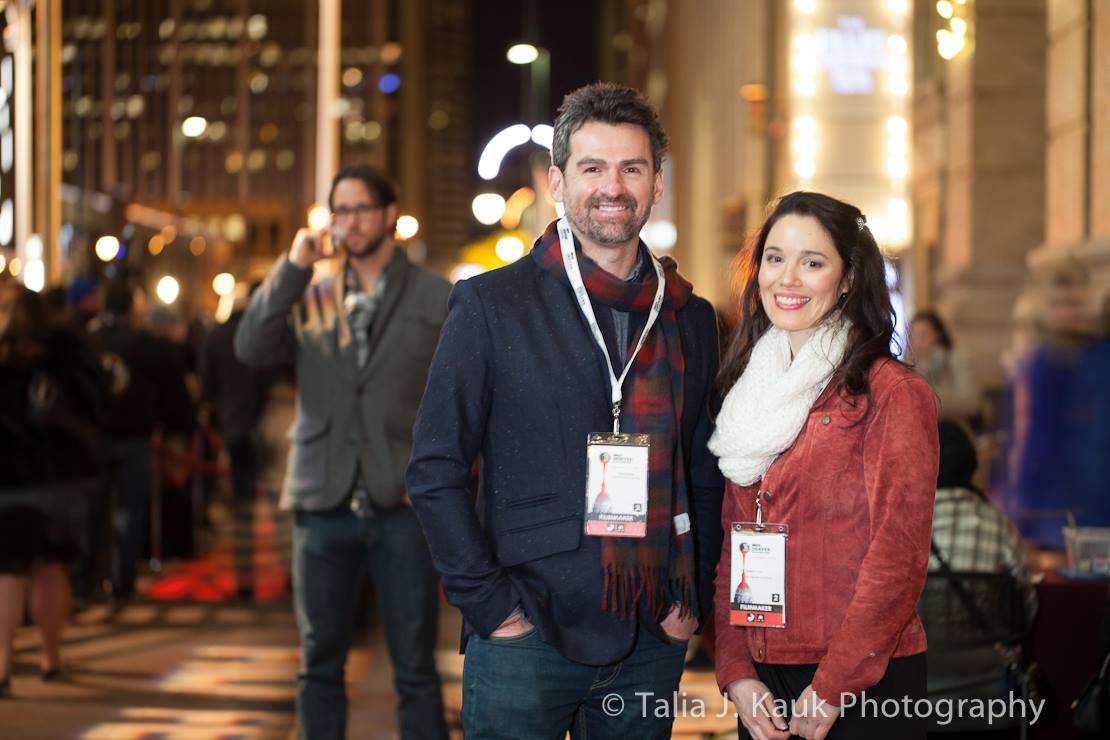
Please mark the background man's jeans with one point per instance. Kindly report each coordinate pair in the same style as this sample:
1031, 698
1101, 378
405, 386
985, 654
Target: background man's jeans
243, 454
520, 688
126, 465
331, 552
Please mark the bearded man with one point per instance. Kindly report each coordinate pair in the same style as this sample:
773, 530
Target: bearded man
362, 336
584, 368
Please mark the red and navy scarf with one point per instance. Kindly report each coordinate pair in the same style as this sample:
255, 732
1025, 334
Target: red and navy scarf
659, 566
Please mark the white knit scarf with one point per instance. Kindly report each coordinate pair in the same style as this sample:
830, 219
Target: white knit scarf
766, 408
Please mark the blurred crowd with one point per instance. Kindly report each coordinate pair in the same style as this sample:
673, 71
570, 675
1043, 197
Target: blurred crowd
1045, 434
127, 429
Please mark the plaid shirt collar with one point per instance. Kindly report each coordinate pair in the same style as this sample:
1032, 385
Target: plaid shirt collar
361, 307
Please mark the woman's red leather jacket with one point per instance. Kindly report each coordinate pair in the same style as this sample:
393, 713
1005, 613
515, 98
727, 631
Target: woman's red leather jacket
857, 494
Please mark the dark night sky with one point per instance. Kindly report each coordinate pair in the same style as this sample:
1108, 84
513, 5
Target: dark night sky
568, 29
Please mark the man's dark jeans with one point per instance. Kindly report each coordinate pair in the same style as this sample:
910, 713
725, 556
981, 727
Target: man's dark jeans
521, 688
243, 454
331, 552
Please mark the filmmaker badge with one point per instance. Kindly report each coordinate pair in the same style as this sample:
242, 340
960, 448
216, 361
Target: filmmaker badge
616, 484
758, 575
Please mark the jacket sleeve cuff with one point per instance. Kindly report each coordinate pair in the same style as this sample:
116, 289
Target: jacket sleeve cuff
292, 271
827, 690
736, 670
489, 614
834, 688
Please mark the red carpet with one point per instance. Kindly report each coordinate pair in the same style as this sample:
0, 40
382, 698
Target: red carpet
212, 578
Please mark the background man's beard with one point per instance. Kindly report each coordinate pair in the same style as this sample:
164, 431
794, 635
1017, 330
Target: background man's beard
370, 248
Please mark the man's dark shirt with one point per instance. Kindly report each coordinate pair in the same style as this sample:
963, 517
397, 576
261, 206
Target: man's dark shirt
237, 392
146, 377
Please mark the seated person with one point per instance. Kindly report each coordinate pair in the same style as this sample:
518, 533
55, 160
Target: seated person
972, 534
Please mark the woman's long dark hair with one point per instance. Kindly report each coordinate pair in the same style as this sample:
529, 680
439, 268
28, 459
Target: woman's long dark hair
867, 303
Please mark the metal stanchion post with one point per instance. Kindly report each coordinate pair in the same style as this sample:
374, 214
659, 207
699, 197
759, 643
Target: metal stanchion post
156, 510
196, 487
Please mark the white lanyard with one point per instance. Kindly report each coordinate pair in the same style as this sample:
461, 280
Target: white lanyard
570, 263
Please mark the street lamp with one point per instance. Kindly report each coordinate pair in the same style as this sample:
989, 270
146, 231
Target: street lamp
539, 73
522, 54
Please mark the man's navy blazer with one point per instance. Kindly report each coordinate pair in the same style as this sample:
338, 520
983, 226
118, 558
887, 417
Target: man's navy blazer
517, 383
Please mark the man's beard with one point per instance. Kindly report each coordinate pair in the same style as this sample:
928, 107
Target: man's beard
609, 233
372, 246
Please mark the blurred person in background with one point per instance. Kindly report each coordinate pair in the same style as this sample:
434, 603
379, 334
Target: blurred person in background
1052, 415
362, 333
164, 323
73, 307
1089, 426
178, 448
134, 361
56, 303
53, 396
946, 368
179, 385
83, 297
237, 394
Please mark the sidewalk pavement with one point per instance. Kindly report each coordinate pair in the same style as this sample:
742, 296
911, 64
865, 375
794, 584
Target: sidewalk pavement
200, 671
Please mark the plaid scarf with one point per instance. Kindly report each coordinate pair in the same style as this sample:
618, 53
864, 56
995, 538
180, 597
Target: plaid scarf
659, 566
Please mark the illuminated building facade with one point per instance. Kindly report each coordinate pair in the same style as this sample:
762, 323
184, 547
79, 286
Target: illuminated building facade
768, 98
972, 132
196, 120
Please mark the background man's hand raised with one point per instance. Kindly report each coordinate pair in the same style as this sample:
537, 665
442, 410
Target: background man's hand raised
310, 246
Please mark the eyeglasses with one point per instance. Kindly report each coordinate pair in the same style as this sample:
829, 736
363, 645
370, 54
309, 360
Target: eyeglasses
361, 211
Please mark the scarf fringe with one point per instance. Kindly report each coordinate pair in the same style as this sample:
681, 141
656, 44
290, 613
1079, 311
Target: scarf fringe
621, 592
660, 565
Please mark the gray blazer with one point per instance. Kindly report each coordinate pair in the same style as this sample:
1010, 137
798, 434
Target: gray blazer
347, 418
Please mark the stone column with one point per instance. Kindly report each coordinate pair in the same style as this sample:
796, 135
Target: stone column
1077, 197
718, 159
993, 209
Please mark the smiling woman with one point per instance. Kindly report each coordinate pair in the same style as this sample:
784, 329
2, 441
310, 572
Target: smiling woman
801, 277
836, 230
825, 436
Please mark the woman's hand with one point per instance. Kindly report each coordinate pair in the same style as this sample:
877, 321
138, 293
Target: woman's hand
757, 709
813, 717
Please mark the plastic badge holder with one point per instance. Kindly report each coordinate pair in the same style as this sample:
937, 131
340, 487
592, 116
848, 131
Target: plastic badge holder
1088, 550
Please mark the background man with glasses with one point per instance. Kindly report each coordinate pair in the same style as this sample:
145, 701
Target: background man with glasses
362, 338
